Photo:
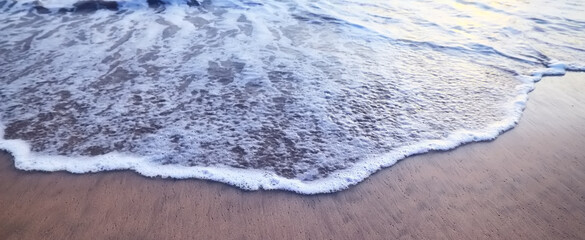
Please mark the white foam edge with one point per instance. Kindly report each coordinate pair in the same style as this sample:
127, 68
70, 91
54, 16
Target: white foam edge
251, 179
557, 68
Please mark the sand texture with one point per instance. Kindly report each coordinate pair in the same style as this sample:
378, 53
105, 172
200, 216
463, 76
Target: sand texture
527, 184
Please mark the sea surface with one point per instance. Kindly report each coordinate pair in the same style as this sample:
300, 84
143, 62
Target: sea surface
301, 95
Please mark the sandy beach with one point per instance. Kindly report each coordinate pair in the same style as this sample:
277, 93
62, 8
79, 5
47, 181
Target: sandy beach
527, 184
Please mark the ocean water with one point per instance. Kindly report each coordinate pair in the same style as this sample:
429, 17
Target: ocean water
300, 95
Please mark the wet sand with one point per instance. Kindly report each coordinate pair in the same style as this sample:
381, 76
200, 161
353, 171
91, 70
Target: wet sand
527, 184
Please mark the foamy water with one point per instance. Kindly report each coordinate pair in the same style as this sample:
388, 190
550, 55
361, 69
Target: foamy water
307, 96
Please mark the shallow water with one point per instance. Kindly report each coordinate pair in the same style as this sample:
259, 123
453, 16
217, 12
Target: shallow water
308, 96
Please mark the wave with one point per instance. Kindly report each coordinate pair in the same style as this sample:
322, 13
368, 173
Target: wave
304, 96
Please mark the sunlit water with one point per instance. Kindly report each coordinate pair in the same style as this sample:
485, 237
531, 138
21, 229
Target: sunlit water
308, 96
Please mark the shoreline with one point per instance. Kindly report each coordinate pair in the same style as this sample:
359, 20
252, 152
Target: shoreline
528, 183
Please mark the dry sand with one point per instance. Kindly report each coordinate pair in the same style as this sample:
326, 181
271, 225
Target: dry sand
527, 184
